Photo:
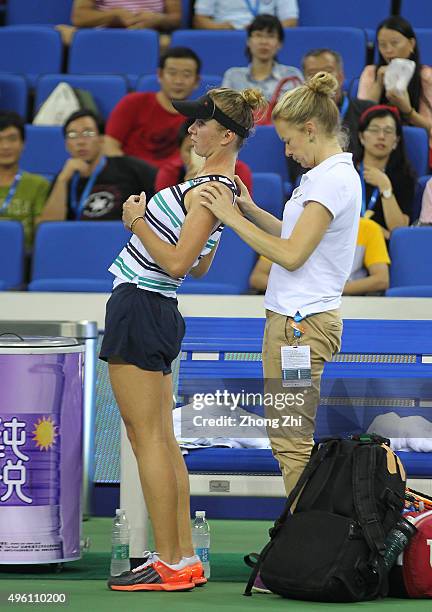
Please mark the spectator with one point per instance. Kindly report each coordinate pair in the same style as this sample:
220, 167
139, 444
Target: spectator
160, 15
387, 179
22, 194
265, 37
350, 108
188, 164
426, 209
92, 187
396, 39
370, 271
145, 125
237, 14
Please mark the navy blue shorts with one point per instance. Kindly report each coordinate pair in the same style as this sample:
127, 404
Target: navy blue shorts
143, 328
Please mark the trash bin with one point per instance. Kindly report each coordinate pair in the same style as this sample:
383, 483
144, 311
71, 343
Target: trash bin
41, 439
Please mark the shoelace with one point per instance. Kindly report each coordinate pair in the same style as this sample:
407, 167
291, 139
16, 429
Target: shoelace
150, 557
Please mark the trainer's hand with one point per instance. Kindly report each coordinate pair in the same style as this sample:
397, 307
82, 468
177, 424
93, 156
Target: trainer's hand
244, 201
133, 208
219, 201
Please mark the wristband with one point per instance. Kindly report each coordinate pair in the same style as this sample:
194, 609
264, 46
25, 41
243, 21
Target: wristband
134, 221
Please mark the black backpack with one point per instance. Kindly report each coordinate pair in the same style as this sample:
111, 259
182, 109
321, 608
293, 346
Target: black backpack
350, 494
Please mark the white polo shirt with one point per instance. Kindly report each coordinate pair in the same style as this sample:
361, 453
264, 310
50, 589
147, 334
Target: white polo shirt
318, 284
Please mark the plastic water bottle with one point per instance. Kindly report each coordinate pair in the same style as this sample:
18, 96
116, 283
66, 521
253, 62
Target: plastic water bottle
120, 544
201, 540
396, 540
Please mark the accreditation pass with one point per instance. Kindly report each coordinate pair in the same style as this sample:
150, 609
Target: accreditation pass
296, 366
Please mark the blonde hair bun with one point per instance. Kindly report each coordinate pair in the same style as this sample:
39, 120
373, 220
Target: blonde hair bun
323, 83
254, 98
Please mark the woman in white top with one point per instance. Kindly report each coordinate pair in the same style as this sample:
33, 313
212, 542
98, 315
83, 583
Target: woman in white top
312, 251
172, 236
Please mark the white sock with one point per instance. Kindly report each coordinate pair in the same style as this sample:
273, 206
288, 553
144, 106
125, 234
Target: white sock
191, 560
176, 566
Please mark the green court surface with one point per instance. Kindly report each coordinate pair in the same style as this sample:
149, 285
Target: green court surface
84, 581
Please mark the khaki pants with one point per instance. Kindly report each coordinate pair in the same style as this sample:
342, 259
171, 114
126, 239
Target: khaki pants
292, 446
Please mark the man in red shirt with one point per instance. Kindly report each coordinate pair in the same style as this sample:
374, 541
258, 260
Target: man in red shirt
145, 125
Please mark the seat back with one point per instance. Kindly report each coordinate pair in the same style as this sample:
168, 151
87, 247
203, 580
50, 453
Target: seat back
268, 192
365, 14
11, 254
264, 152
417, 148
38, 11
114, 51
414, 291
230, 270
81, 251
14, 93
424, 41
107, 90
217, 49
150, 82
411, 256
44, 151
418, 196
349, 42
417, 12
30, 51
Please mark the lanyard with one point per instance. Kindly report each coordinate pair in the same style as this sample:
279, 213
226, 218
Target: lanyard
76, 206
298, 331
344, 107
253, 9
11, 192
373, 198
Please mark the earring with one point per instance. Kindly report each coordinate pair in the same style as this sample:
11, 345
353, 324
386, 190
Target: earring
311, 138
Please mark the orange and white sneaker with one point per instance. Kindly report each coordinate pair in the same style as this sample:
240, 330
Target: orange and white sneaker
197, 569
154, 575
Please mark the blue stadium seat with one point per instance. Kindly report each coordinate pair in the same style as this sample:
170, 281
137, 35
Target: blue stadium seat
417, 12
11, 254
230, 270
186, 14
150, 83
30, 51
114, 51
417, 148
268, 192
217, 49
38, 11
265, 152
44, 151
107, 90
411, 256
75, 255
424, 41
339, 13
349, 42
414, 291
14, 93
418, 195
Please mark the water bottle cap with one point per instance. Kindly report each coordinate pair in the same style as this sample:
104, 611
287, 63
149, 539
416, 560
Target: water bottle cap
200, 513
119, 511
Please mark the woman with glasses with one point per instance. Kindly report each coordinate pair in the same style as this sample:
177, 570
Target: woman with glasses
388, 181
396, 39
265, 37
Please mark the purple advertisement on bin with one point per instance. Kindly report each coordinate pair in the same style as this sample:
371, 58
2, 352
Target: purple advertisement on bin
41, 397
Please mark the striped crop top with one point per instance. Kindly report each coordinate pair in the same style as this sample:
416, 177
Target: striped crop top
165, 214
